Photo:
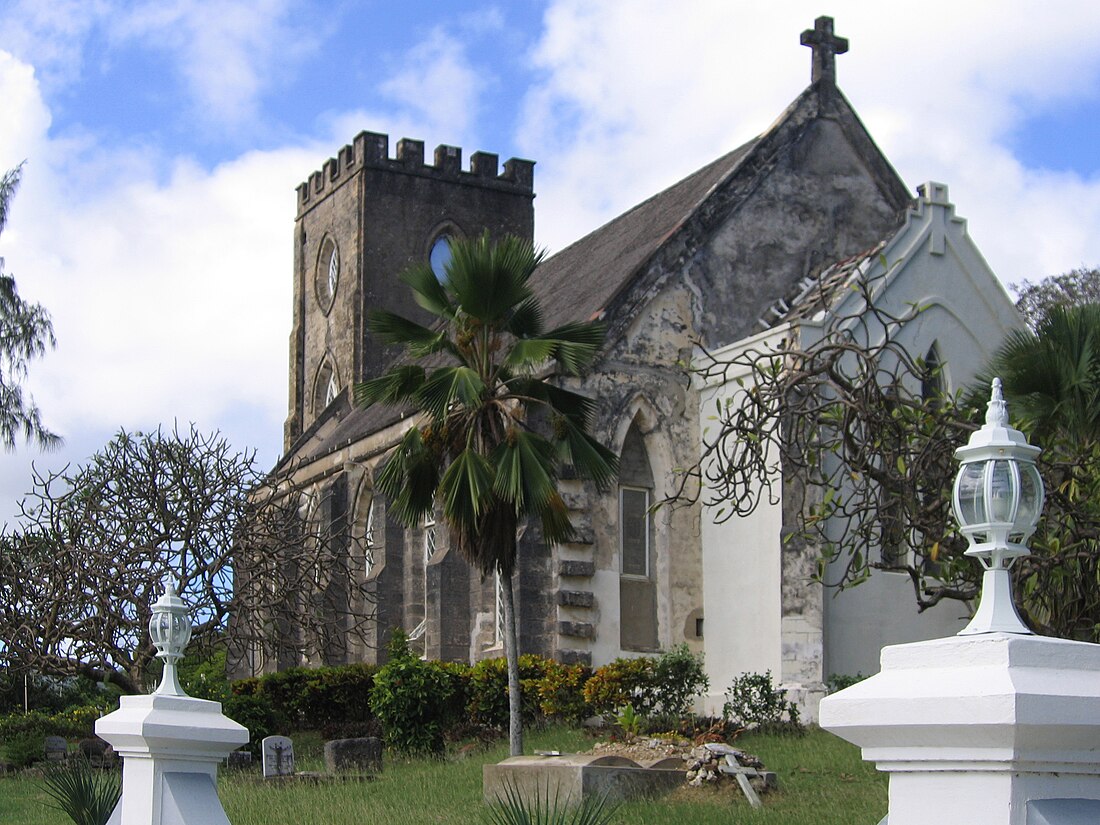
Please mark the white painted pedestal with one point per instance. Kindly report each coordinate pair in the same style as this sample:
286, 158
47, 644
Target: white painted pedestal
171, 747
992, 729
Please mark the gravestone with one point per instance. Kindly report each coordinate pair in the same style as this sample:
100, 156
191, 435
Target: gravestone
239, 761
362, 754
57, 749
278, 752
98, 753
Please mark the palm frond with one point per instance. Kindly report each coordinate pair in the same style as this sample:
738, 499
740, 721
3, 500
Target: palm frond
428, 292
398, 386
489, 281
418, 340
527, 354
447, 385
526, 320
524, 476
409, 478
578, 344
466, 488
588, 456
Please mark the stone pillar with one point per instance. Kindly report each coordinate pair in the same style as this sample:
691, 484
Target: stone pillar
993, 729
171, 747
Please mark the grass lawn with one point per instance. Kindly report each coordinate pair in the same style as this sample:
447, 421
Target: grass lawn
822, 782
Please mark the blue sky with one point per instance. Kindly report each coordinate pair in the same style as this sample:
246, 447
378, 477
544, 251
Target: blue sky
164, 139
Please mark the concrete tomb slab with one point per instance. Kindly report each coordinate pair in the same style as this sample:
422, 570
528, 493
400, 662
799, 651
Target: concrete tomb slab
579, 775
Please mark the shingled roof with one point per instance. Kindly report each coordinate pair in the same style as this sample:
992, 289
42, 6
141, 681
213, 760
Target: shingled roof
581, 281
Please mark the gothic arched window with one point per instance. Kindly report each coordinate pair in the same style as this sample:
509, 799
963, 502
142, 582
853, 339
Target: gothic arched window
637, 579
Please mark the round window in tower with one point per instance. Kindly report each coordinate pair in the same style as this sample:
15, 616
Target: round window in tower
440, 257
328, 274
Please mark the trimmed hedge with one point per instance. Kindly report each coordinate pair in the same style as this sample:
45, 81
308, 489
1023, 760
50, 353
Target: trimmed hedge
419, 704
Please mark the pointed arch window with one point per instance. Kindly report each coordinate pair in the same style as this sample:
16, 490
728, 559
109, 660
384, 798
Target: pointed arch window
932, 385
439, 256
637, 557
326, 387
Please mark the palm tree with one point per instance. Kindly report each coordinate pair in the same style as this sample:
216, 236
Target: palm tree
1052, 375
495, 431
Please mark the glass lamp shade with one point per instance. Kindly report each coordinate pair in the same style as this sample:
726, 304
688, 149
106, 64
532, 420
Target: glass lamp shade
998, 498
170, 625
998, 493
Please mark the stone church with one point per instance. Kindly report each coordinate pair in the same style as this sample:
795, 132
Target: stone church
718, 259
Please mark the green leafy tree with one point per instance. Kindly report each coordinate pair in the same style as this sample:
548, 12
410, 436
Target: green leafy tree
494, 431
88, 558
855, 428
1073, 288
25, 333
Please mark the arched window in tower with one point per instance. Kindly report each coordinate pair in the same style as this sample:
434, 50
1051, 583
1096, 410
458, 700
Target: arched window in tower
326, 388
327, 276
637, 579
439, 256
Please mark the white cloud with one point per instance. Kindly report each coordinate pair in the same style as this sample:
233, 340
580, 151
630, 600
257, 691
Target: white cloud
634, 96
228, 51
170, 298
436, 85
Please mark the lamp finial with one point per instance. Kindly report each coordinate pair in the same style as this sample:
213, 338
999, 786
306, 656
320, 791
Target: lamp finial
996, 413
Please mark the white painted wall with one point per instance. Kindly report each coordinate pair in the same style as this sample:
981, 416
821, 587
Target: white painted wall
741, 566
967, 314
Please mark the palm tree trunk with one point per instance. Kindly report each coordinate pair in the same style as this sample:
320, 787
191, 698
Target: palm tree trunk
511, 655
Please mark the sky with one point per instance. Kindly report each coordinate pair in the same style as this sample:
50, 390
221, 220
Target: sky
163, 141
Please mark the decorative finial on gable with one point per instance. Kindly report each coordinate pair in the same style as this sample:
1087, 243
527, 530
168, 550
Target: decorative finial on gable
826, 46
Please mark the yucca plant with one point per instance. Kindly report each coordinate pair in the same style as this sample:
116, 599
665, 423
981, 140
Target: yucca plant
85, 794
544, 808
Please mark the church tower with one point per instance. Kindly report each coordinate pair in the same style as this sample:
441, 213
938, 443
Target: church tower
364, 218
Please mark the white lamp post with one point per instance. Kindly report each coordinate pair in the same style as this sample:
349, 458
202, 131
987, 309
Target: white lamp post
171, 743
997, 499
170, 629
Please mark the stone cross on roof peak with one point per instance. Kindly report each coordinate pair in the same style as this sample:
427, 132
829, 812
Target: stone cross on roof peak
826, 46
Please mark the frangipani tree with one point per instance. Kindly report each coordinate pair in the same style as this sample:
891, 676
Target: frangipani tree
495, 429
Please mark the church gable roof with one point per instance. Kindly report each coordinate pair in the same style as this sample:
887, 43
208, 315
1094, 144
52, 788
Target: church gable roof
593, 277
582, 279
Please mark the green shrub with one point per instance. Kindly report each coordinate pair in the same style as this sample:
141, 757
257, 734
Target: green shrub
840, 681
622, 682
752, 701
203, 675
315, 698
414, 700
561, 692
488, 703
678, 677
256, 714
24, 749
74, 723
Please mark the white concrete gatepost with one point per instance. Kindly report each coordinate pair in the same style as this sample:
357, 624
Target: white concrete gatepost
170, 744
994, 729
994, 726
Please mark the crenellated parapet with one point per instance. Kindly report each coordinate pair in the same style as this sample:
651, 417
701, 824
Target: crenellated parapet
370, 150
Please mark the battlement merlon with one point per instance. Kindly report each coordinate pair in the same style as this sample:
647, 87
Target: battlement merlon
371, 150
